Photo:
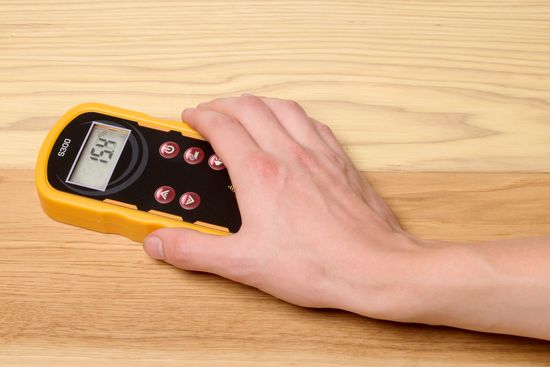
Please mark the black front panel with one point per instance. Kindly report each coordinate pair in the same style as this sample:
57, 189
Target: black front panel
141, 170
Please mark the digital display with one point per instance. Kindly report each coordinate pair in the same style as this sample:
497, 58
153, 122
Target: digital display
96, 161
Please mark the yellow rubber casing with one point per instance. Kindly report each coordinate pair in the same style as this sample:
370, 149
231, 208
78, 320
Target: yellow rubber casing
108, 216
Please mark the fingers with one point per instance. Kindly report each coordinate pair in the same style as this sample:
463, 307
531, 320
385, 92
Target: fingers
296, 122
268, 124
228, 137
256, 118
192, 250
273, 122
328, 137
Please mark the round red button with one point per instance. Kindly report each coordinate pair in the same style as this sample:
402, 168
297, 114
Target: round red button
215, 163
190, 200
193, 155
169, 149
165, 194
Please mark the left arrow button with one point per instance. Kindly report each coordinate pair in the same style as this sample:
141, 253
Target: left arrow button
165, 194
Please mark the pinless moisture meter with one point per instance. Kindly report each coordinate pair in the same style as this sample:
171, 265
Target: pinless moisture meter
118, 171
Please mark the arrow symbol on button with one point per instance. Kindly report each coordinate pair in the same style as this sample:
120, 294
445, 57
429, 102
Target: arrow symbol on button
189, 200
164, 194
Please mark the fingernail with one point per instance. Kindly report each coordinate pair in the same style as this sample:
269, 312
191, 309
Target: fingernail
246, 94
153, 247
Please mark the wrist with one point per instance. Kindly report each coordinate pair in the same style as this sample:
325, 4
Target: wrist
380, 282
416, 281
441, 283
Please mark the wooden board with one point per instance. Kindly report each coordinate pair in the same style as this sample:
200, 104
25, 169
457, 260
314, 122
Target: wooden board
445, 104
71, 297
407, 85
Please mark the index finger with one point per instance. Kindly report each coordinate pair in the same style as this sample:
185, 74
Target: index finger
230, 140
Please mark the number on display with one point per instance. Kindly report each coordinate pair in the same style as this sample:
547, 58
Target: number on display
105, 148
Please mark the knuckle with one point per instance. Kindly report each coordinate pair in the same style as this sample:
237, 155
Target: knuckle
209, 104
324, 128
219, 121
177, 252
264, 165
250, 101
292, 105
338, 161
304, 156
203, 105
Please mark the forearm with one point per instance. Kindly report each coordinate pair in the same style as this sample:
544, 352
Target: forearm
500, 286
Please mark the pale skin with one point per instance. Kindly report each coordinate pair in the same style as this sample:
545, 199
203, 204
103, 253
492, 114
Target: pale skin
316, 234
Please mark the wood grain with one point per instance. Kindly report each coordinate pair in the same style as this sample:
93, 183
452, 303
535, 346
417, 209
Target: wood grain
77, 298
452, 97
407, 85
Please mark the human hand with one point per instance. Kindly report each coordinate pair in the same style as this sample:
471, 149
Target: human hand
316, 234
313, 230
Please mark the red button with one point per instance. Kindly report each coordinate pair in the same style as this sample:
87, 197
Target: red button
215, 163
190, 200
193, 155
169, 149
165, 194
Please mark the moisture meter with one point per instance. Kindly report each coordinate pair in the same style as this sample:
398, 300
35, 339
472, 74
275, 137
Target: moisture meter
117, 171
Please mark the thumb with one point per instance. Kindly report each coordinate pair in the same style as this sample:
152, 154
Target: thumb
191, 250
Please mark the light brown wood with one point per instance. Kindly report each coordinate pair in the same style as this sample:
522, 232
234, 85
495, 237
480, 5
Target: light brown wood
454, 96
460, 206
407, 85
71, 297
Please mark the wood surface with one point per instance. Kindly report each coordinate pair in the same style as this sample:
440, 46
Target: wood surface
444, 104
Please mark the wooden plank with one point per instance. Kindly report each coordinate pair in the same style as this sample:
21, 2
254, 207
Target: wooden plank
462, 206
432, 90
407, 85
71, 297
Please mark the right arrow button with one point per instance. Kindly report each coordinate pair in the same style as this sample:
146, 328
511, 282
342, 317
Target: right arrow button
215, 163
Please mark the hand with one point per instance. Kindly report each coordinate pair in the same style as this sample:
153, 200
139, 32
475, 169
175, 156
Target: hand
313, 231
316, 234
